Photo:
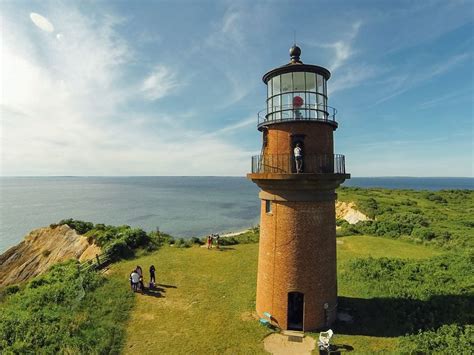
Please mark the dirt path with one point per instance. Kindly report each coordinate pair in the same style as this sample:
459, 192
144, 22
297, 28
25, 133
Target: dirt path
280, 344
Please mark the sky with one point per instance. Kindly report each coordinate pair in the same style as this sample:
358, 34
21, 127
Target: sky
127, 88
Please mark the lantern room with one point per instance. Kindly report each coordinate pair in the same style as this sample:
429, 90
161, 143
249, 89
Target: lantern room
296, 91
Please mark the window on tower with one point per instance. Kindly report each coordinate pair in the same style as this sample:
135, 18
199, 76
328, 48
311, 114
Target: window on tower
268, 206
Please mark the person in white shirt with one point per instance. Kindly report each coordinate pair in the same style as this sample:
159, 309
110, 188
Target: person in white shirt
134, 279
298, 158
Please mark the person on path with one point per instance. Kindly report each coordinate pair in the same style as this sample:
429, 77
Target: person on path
217, 240
140, 273
298, 158
152, 276
209, 242
134, 280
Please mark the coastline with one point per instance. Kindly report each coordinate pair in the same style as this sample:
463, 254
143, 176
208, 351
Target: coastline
180, 206
233, 234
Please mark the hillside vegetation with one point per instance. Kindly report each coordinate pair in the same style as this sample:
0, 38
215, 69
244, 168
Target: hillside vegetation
442, 218
404, 293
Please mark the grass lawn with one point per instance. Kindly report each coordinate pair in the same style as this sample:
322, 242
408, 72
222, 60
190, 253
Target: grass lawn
206, 299
207, 302
376, 247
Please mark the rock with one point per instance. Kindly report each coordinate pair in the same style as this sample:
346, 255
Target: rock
41, 249
348, 211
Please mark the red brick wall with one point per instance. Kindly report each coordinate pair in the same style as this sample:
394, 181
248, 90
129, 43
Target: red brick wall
318, 138
297, 252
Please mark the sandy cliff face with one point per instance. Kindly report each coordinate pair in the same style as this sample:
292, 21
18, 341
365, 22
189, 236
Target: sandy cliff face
41, 249
348, 211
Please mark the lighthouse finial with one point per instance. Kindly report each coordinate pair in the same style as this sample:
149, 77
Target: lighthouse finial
295, 53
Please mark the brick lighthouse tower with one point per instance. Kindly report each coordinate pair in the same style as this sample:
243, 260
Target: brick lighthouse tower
297, 172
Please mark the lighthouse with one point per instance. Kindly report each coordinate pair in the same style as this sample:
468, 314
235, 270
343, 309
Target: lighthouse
297, 173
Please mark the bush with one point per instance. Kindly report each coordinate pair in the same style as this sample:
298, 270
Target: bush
10, 290
67, 312
435, 198
118, 249
80, 227
195, 240
181, 243
135, 238
423, 233
370, 207
452, 339
417, 297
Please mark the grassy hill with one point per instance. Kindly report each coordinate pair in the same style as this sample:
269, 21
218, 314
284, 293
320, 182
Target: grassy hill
442, 218
405, 293
206, 300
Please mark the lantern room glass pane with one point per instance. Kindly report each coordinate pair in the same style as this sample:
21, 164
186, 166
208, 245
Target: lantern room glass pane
325, 88
320, 84
276, 85
310, 82
311, 102
286, 82
320, 106
276, 102
286, 101
269, 88
298, 81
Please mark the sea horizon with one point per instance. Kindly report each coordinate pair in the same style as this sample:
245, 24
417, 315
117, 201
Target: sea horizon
183, 206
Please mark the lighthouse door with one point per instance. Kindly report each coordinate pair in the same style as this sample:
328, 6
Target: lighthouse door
295, 310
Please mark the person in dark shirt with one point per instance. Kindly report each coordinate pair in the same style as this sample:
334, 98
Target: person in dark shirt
152, 276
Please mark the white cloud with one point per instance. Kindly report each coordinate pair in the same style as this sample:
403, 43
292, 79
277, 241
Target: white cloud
400, 84
233, 127
229, 40
160, 83
64, 108
352, 76
343, 48
41, 22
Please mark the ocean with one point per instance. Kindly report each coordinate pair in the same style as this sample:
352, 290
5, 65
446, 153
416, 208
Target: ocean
181, 206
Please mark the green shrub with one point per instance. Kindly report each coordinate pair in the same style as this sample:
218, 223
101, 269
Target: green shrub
370, 207
80, 227
423, 233
181, 243
135, 238
118, 249
431, 196
11, 290
228, 241
195, 240
415, 297
408, 213
66, 312
452, 339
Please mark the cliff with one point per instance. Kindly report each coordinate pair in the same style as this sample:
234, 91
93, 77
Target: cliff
40, 249
348, 211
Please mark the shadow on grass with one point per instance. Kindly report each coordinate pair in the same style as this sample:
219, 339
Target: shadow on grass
336, 349
224, 249
154, 292
166, 286
392, 317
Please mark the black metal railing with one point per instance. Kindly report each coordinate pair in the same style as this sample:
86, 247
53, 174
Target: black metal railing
283, 113
312, 164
